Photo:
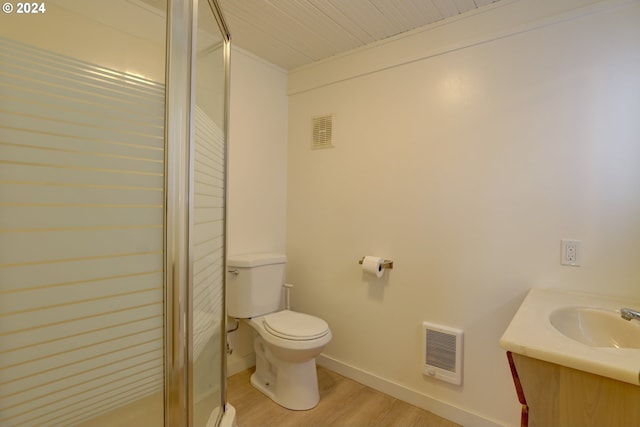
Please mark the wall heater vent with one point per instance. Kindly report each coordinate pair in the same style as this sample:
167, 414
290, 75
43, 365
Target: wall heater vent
442, 348
322, 132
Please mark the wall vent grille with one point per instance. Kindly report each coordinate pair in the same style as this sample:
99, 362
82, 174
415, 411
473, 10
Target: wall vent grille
442, 347
322, 131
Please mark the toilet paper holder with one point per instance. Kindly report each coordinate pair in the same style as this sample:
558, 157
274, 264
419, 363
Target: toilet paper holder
387, 263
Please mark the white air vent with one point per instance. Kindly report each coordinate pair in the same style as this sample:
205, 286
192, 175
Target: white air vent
442, 355
322, 128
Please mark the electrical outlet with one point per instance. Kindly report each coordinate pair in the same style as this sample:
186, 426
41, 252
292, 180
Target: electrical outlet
571, 252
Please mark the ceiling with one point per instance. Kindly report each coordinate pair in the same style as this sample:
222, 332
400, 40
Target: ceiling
293, 33
287, 33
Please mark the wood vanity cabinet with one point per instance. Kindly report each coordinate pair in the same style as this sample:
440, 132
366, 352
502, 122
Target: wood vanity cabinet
556, 396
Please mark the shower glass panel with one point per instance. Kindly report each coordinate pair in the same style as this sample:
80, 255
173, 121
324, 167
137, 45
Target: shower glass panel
83, 198
208, 123
81, 215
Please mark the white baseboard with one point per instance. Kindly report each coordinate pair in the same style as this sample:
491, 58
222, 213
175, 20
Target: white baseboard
442, 409
238, 364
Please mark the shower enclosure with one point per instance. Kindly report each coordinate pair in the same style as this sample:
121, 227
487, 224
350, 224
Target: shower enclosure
113, 125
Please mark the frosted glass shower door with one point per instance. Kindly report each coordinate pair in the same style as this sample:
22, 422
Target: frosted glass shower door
82, 106
207, 236
112, 230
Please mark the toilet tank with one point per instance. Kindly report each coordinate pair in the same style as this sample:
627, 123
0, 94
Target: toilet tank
254, 284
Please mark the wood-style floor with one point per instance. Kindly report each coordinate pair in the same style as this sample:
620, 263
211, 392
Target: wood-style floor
343, 403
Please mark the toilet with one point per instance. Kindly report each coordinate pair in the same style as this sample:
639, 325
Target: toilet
286, 342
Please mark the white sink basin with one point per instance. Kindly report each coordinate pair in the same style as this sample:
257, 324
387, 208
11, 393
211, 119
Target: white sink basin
596, 327
579, 331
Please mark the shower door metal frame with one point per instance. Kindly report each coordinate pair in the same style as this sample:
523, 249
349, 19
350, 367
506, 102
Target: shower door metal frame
177, 134
226, 50
182, 18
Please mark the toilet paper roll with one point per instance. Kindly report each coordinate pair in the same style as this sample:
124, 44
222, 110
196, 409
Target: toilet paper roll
373, 265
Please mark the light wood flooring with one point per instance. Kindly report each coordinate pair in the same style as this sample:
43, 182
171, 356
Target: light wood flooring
343, 403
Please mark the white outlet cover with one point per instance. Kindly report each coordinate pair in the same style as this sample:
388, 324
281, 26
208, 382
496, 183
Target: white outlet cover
571, 252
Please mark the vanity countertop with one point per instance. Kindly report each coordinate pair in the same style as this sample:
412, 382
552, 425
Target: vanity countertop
531, 334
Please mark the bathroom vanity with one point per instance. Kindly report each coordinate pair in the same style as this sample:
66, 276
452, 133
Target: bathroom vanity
575, 362
555, 395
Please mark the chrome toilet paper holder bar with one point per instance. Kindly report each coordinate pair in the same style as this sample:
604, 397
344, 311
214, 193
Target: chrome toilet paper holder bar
387, 263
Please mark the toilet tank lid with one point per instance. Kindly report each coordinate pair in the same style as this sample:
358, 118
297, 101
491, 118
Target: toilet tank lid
256, 260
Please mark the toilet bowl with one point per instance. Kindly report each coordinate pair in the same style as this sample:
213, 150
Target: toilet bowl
286, 345
286, 342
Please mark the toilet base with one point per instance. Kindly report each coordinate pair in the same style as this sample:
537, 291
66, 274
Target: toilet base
291, 385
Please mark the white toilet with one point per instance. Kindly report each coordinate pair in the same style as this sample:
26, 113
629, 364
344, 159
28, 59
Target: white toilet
286, 342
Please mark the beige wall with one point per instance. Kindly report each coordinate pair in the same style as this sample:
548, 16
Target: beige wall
466, 168
257, 155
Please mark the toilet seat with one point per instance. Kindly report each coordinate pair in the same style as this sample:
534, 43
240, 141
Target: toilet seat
294, 326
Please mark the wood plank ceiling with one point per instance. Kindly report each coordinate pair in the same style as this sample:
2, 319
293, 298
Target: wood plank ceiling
293, 33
